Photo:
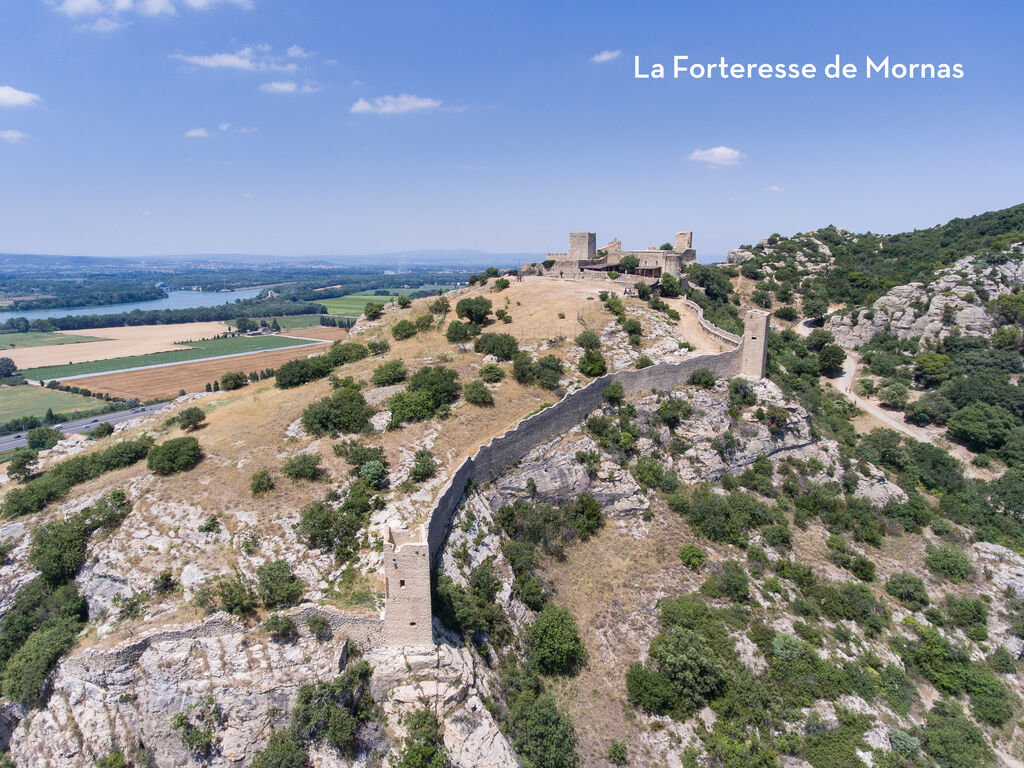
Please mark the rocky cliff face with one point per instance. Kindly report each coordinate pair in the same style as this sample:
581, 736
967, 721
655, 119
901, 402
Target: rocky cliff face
953, 301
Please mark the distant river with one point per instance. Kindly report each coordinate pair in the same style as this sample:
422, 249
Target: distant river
174, 300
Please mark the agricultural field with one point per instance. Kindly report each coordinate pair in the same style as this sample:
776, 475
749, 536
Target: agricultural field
197, 350
165, 383
41, 339
83, 346
354, 303
27, 400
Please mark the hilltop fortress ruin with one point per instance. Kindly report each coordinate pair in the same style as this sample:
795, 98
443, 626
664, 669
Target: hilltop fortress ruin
584, 260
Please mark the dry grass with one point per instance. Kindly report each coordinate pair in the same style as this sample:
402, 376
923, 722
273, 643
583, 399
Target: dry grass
120, 342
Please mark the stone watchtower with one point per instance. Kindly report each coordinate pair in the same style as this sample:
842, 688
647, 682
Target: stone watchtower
582, 246
407, 615
755, 344
684, 241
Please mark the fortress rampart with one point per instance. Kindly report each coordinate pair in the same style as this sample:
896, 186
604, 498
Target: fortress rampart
404, 613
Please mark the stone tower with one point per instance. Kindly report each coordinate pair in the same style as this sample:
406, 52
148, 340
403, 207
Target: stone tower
755, 344
684, 241
407, 616
582, 246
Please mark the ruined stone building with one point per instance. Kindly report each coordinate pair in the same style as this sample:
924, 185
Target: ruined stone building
585, 260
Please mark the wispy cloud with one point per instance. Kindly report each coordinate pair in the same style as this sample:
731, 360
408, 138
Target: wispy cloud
394, 105
717, 156
114, 9
226, 127
12, 97
250, 59
13, 137
288, 86
197, 133
603, 56
297, 52
774, 188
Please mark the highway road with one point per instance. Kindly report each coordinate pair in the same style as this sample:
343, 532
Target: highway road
17, 440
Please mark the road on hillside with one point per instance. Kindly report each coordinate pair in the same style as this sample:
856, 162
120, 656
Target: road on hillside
17, 440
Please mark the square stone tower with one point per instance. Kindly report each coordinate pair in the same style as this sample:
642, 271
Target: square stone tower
407, 613
582, 246
755, 344
684, 241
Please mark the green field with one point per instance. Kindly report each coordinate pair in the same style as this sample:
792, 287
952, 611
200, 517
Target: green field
33, 401
37, 339
353, 304
196, 350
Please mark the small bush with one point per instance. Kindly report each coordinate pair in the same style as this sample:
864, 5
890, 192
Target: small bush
593, 364
210, 525
284, 750
101, 430
554, 642
477, 393
403, 329
949, 561
233, 380
588, 339
693, 556
614, 393
423, 466
378, 347
491, 373
643, 362
177, 455
908, 589
342, 412
617, 754
303, 466
261, 483
318, 626
702, 377
277, 585
502, 345
190, 419
281, 628
43, 438
391, 372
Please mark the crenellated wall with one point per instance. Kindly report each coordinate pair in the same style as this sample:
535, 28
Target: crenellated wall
504, 451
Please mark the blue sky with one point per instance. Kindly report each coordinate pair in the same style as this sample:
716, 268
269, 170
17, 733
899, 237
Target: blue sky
330, 127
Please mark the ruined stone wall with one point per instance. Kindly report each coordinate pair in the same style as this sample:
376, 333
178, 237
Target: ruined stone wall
407, 615
504, 451
713, 332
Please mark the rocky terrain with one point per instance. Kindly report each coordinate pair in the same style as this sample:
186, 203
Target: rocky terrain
953, 301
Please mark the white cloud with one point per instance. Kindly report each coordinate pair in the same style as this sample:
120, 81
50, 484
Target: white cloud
13, 137
774, 188
102, 25
248, 58
113, 8
288, 86
12, 97
297, 52
603, 56
394, 105
197, 133
224, 126
717, 156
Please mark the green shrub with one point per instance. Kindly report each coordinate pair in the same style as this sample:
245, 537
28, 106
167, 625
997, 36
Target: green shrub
693, 556
235, 595
344, 411
318, 626
112, 759
908, 589
261, 483
502, 345
373, 311
952, 740
43, 438
588, 339
210, 525
950, 562
378, 347
303, 466
683, 675
614, 393
554, 644
593, 364
391, 372
190, 419
617, 754
332, 711
423, 746
402, 330
643, 362
281, 628
477, 393
423, 466
197, 724
648, 472
277, 585
233, 380
459, 332
179, 454
702, 377
731, 582
284, 750
491, 373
